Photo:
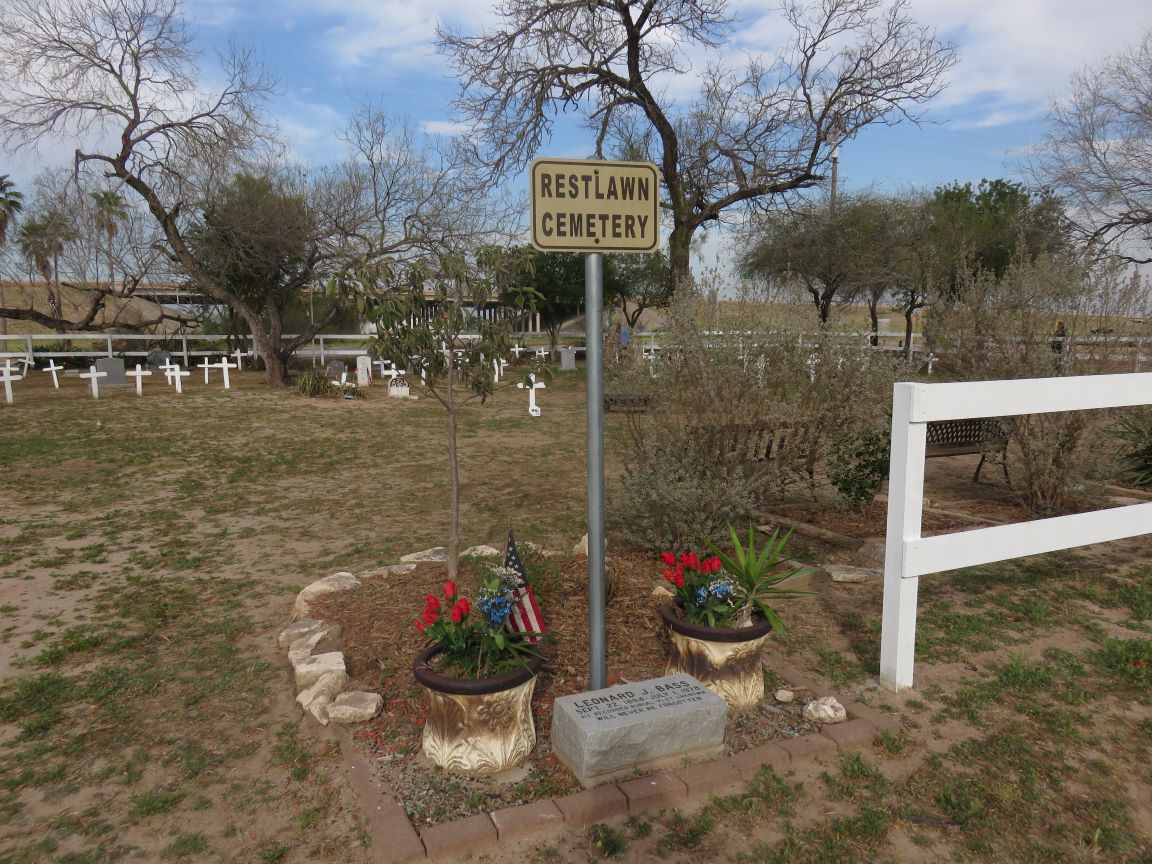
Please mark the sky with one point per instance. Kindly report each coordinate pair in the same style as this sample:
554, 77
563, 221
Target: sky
330, 56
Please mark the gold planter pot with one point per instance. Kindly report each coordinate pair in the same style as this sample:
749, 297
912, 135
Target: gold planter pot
477, 726
726, 660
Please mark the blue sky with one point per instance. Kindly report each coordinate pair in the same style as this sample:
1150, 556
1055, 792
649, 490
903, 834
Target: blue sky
331, 55
1016, 57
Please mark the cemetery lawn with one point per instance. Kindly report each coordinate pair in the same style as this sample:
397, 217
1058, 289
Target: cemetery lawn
150, 550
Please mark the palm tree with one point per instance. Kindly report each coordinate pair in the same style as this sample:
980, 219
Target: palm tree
11, 203
41, 241
110, 211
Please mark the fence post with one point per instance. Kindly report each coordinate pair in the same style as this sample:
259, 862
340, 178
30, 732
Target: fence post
109, 340
187, 361
31, 352
320, 339
905, 502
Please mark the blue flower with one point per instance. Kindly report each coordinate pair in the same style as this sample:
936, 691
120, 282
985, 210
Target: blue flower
494, 609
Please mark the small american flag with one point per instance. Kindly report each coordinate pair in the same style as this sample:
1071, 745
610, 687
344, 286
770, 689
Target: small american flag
525, 615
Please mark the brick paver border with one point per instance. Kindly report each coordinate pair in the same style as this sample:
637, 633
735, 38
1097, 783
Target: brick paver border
396, 841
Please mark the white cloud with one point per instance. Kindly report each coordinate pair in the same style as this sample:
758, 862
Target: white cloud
449, 128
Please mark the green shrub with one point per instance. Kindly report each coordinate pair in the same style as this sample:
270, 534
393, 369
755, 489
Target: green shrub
858, 465
315, 382
672, 494
1135, 430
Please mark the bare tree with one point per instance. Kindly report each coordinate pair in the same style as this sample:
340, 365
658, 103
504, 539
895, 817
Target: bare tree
751, 134
119, 77
1098, 152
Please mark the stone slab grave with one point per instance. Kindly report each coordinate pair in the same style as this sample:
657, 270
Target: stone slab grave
606, 734
363, 371
114, 367
567, 359
336, 368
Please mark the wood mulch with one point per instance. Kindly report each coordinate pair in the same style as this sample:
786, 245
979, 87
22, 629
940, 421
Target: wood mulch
380, 641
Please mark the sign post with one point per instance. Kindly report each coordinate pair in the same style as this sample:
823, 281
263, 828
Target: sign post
595, 206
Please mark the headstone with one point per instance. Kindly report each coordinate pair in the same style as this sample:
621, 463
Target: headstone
384, 365
363, 371
113, 367
335, 370
532, 387
53, 368
159, 359
398, 387
605, 734
139, 376
567, 359
94, 375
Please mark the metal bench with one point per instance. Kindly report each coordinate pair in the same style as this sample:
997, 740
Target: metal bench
983, 435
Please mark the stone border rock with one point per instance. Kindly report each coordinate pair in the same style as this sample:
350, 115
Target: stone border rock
318, 664
396, 841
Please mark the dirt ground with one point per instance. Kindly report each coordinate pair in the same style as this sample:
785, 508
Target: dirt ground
150, 550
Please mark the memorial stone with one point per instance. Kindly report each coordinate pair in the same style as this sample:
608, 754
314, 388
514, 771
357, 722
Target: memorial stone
335, 369
363, 371
606, 734
567, 359
159, 359
114, 367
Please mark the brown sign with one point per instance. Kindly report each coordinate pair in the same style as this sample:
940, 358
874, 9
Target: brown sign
590, 205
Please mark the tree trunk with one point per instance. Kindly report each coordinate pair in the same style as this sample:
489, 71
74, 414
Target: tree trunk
453, 480
874, 340
680, 259
908, 313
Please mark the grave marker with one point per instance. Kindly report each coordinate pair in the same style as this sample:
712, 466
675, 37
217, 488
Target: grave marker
53, 368
224, 366
7, 378
239, 355
335, 370
168, 368
139, 376
533, 408
605, 734
94, 375
398, 387
363, 371
113, 367
177, 375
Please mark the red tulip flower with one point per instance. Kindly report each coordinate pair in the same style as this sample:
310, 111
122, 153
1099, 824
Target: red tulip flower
449, 590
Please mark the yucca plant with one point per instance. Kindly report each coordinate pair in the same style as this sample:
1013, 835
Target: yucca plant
1135, 430
757, 574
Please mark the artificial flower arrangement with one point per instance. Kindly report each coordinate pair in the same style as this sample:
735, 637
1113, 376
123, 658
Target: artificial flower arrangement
725, 589
486, 635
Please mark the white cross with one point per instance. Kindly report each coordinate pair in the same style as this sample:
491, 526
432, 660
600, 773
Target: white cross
533, 408
139, 376
28, 362
177, 375
518, 350
541, 353
95, 376
224, 366
206, 366
7, 377
53, 368
169, 369
382, 364
239, 355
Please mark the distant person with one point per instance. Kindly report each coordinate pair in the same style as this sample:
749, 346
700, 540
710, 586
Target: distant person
1058, 336
625, 335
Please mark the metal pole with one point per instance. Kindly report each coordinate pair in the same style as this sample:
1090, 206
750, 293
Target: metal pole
593, 301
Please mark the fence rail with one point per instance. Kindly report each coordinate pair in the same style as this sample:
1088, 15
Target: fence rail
908, 555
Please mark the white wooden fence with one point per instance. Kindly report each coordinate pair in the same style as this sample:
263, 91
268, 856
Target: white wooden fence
908, 556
